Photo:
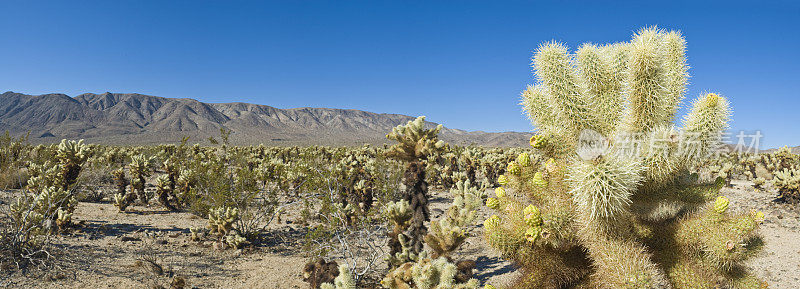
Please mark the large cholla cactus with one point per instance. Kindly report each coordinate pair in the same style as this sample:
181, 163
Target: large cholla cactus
415, 144
616, 205
71, 155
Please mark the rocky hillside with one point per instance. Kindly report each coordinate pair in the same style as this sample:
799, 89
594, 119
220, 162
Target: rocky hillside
117, 118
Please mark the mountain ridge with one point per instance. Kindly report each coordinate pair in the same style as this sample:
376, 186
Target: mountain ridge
133, 118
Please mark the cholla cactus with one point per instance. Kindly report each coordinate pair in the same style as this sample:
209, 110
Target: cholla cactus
417, 270
187, 179
427, 274
221, 220
164, 189
447, 234
415, 144
759, 183
121, 199
140, 169
787, 182
444, 238
234, 240
49, 209
43, 176
398, 214
71, 155
343, 281
405, 255
616, 205
63, 219
196, 234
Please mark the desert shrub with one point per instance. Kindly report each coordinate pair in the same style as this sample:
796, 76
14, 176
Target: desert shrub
22, 243
616, 205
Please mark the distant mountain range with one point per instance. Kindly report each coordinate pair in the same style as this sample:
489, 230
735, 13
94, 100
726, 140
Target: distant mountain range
130, 118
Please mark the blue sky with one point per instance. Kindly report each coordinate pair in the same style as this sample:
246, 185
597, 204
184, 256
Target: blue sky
461, 63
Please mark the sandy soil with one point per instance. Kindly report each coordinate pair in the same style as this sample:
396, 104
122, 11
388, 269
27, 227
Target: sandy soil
105, 249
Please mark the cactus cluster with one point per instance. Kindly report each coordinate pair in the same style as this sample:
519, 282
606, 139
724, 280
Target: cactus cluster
777, 168
449, 233
415, 269
428, 274
221, 223
616, 204
343, 281
49, 200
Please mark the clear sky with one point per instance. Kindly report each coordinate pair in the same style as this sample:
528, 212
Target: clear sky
461, 63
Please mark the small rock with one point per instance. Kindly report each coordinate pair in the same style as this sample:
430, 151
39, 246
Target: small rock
129, 239
161, 242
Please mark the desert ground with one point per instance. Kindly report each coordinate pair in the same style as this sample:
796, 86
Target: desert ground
109, 249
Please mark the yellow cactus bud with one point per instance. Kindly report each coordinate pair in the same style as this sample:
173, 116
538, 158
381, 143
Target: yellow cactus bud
533, 217
537, 141
524, 159
721, 204
493, 203
489, 287
502, 180
500, 192
492, 222
532, 233
538, 180
759, 216
513, 168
